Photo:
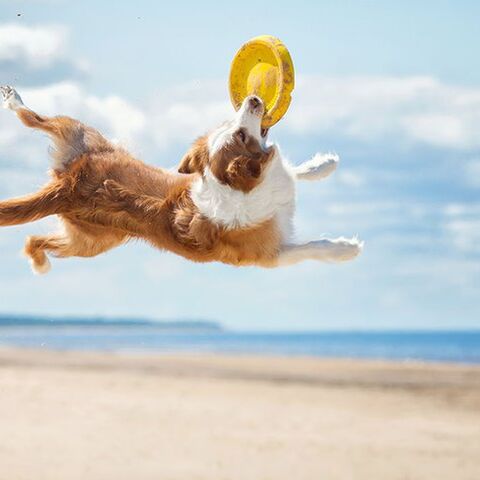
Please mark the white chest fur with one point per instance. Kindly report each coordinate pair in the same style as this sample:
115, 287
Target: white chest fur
273, 198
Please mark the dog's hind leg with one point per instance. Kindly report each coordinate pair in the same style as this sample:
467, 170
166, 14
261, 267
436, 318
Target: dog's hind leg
71, 138
74, 242
50, 200
318, 167
13, 101
35, 247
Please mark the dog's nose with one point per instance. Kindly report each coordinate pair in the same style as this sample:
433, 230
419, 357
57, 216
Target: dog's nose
254, 101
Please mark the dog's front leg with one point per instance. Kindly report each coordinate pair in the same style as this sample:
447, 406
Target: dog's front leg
113, 205
318, 167
336, 250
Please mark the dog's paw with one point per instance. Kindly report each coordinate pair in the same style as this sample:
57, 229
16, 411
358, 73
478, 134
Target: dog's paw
347, 248
11, 98
110, 195
113, 190
322, 159
41, 268
321, 165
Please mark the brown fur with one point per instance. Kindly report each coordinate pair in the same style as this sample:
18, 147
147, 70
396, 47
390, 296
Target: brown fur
105, 197
239, 164
197, 158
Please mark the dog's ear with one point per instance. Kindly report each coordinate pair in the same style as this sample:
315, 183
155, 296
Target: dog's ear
196, 159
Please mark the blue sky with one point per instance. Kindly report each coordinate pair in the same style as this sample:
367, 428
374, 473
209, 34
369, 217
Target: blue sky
393, 88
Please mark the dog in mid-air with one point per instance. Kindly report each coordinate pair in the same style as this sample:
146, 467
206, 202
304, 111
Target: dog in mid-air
232, 200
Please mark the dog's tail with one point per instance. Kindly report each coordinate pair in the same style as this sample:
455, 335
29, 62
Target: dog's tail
48, 201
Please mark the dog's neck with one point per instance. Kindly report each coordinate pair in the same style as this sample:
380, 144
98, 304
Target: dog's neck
273, 197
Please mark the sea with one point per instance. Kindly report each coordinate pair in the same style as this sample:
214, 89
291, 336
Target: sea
431, 346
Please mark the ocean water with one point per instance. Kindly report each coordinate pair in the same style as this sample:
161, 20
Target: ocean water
451, 346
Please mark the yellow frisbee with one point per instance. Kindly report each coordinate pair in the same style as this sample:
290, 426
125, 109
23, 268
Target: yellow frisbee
263, 67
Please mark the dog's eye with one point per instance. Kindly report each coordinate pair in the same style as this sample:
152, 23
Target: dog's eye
241, 135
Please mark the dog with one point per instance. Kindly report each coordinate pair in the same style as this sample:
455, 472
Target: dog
232, 199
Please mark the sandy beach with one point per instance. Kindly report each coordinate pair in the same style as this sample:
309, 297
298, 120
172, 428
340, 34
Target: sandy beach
110, 416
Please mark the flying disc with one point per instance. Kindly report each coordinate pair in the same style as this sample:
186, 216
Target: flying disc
263, 67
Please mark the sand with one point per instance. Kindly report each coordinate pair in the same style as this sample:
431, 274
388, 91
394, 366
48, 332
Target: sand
107, 416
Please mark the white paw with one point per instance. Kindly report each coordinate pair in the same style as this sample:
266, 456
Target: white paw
322, 159
319, 166
11, 99
345, 249
41, 269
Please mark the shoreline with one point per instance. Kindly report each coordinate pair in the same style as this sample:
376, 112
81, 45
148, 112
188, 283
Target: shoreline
456, 381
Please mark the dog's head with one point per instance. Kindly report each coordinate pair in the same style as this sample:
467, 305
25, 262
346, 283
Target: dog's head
235, 152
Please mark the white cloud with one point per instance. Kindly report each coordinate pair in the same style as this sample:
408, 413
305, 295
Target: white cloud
37, 55
408, 109
36, 46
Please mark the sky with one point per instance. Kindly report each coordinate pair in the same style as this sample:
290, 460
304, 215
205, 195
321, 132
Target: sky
392, 87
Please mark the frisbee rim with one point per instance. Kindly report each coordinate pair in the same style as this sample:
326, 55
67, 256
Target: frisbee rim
285, 77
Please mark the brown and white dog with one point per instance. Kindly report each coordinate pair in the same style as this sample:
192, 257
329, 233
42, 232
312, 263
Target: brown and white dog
232, 201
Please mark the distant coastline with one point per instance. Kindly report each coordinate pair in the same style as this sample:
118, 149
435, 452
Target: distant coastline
7, 320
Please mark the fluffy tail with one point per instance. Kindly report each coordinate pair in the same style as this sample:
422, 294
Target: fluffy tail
48, 201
